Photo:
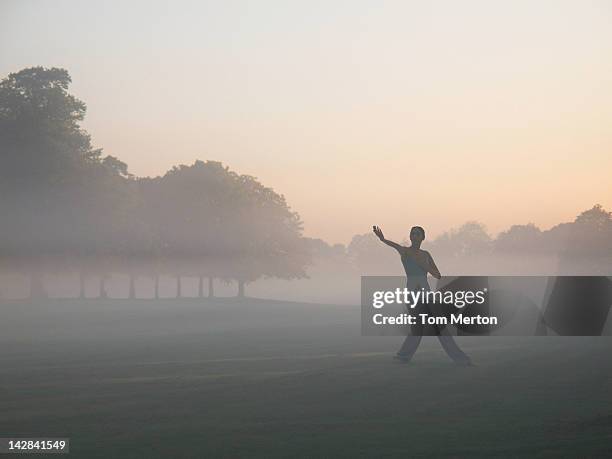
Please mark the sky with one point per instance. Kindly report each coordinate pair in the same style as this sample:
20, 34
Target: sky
394, 113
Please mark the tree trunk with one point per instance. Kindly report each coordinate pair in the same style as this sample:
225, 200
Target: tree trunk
81, 285
132, 292
211, 287
240, 289
156, 283
37, 286
103, 294
200, 287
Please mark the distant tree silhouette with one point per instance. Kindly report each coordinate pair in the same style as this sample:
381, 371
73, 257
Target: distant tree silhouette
587, 248
583, 246
370, 256
519, 238
319, 249
469, 239
597, 216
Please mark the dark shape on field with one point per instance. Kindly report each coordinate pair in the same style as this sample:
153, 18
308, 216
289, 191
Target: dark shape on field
578, 305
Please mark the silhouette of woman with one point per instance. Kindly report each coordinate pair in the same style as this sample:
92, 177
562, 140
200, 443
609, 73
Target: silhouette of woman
417, 263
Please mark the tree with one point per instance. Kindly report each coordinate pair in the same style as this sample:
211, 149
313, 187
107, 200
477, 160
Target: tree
519, 238
469, 239
66, 200
372, 257
319, 249
268, 235
588, 243
590, 234
211, 222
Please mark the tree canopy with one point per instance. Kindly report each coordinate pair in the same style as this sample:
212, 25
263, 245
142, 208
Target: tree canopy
68, 200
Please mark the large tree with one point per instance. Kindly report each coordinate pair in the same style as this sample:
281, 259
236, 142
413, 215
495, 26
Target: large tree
212, 222
66, 200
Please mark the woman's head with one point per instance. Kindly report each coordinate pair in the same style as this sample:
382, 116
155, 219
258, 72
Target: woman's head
417, 235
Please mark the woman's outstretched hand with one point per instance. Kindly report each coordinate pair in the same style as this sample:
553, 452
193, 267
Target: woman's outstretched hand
378, 232
381, 236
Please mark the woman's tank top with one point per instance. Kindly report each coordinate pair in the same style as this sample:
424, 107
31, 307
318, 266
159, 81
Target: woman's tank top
416, 277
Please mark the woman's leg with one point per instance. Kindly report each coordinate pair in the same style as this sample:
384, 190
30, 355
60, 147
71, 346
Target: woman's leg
409, 347
411, 343
452, 349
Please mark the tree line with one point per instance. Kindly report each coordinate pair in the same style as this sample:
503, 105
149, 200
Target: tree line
65, 205
583, 246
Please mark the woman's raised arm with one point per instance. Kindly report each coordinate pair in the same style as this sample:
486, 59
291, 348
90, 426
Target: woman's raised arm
381, 236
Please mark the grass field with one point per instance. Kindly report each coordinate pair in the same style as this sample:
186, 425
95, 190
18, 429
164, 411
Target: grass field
256, 378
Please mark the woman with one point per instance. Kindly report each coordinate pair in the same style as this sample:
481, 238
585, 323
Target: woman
417, 263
